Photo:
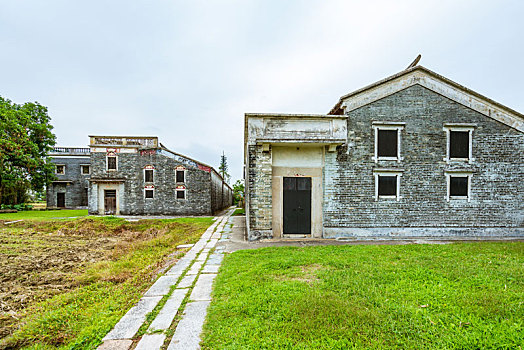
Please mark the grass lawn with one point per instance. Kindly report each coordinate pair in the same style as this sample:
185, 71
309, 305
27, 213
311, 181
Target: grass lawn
66, 283
42, 214
456, 296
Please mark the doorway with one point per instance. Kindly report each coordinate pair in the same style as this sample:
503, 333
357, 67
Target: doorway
109, 202
297, 205
60, 200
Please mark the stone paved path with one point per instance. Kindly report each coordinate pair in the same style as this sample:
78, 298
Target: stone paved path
176, 286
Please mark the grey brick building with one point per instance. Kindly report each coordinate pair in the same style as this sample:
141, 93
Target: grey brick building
139, 176
72, 168
413, 155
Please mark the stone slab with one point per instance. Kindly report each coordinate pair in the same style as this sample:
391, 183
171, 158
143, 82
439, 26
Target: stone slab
180, 267
195, 268
162, 285
187, 333
165, 317
203, 287
184, 246
187, 281
210, 268
123, 344
215, 259
202, 257
133, 319
151, 342
212, 242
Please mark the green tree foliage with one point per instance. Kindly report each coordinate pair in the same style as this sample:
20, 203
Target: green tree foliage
223, 168
238, 193
25, 140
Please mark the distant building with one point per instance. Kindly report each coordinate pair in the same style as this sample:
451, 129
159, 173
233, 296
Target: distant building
139, 176
413, 155
72, 168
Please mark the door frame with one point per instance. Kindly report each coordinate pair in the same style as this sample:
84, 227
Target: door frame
297, 200
60, 193
278, 200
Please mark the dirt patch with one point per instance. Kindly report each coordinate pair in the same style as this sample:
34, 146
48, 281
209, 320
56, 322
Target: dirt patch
41, 259
308, 274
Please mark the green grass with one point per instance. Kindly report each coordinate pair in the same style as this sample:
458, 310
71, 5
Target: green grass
457, 296
239, 211
80, 318
42, 214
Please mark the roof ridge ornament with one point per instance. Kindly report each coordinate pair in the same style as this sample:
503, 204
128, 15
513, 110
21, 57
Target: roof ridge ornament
415, 62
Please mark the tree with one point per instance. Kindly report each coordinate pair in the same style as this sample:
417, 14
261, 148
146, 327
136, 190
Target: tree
25, 141
223, 168
238, 193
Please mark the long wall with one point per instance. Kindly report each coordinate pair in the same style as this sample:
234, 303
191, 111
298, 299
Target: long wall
496, 203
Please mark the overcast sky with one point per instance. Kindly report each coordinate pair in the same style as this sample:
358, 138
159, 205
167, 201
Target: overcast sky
187, 71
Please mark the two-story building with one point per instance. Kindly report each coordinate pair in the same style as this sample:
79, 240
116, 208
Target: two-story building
413, 155
72, 169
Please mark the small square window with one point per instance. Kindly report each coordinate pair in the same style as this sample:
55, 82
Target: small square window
387, 143
60, 169
148, 175
149, 193
85, 169
387, 185
180, 176
458, 186
180, 194
459, 144
111, 163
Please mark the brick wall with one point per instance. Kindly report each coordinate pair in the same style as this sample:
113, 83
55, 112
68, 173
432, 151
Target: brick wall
76, 189
497, 188
259, 187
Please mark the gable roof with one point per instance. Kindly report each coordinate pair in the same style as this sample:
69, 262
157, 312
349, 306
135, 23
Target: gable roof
435, 82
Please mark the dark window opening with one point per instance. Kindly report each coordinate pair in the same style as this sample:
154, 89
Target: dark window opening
110, 193
387, 185
458, 186
60, 169
149, 193
85, 169
387, 143
180, 176
459, 144
181, 194
111, 163
149, 175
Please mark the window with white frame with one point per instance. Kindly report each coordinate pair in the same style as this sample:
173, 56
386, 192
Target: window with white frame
459, 185
149, 193
459, 142
148, 175
387, 184
180, 192
388, 140
180, 174
111, 162
60, 169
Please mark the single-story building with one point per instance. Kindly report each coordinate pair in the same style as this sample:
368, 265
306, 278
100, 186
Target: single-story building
413, 155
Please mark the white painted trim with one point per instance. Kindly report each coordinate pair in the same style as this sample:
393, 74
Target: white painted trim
448, 127
450, 174
107, 163
440, 86
387, 172
388, 126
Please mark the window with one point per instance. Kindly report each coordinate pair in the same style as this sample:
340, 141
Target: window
149, 193
459, 142
387, 140
85, 169
60, 169
387, 183
180, 193
148, 174
111, 162
459, 185
180, 176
